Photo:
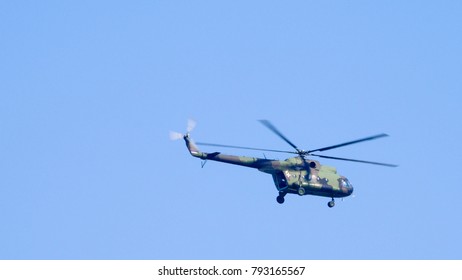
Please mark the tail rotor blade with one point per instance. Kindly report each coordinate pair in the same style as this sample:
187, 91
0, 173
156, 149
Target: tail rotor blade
191, 125
175, 135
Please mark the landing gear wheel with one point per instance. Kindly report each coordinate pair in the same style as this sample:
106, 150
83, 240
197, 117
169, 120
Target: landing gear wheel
280, 199
331, 203
301, 191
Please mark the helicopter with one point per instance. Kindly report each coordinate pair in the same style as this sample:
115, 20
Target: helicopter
296, 175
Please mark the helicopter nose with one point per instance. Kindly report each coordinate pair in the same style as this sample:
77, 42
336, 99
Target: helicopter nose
347, 185
350, 190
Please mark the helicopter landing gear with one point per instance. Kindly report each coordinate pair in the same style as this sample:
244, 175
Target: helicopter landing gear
280, 198
331, 203
301, 191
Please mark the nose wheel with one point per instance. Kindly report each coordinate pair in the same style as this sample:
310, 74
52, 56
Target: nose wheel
331, 203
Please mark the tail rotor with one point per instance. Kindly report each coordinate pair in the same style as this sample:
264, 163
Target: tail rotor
177, 135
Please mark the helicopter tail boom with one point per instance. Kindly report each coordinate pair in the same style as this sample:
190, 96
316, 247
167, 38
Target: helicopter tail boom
230, 159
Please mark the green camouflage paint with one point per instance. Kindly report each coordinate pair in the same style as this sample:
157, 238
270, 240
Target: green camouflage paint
296, 175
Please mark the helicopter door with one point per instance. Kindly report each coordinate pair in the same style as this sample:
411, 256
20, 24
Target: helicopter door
280, 181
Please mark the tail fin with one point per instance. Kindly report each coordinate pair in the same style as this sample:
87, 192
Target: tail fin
193, 150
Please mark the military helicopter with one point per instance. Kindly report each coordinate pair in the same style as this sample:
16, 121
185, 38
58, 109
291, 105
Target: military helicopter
295, 175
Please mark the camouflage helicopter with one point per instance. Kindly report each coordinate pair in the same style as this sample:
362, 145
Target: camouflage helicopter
295, 175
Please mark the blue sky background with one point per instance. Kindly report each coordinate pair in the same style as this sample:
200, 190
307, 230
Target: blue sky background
90, 89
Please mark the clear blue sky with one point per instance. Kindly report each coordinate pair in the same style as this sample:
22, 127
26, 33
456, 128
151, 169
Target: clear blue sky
90, 89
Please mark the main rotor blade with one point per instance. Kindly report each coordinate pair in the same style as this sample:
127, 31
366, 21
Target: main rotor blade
356, 160
349, 143
278, 133
245, 148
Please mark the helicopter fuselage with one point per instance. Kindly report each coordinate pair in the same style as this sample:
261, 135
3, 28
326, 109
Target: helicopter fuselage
296, 175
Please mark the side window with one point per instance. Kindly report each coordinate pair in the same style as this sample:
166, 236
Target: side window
282, 182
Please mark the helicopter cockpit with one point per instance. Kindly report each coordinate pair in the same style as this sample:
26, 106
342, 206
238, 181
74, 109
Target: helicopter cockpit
344, 183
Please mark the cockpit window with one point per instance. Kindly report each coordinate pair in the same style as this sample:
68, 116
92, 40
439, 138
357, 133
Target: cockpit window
345, 183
